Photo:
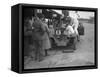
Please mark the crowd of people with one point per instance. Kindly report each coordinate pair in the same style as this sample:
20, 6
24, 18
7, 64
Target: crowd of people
39, 32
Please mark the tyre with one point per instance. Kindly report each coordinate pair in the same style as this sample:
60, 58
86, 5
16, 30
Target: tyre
53, 44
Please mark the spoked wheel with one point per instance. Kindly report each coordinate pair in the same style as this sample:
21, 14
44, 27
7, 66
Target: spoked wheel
53, 44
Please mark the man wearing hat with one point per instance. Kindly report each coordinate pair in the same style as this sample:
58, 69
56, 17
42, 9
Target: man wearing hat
41, 33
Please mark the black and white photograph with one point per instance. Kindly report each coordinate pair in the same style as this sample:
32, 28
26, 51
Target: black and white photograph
58, 38
49, 38
53, 38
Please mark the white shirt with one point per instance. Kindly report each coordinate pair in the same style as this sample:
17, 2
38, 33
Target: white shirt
75, 23
69, 30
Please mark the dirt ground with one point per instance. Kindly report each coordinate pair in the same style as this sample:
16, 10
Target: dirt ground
83, 55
